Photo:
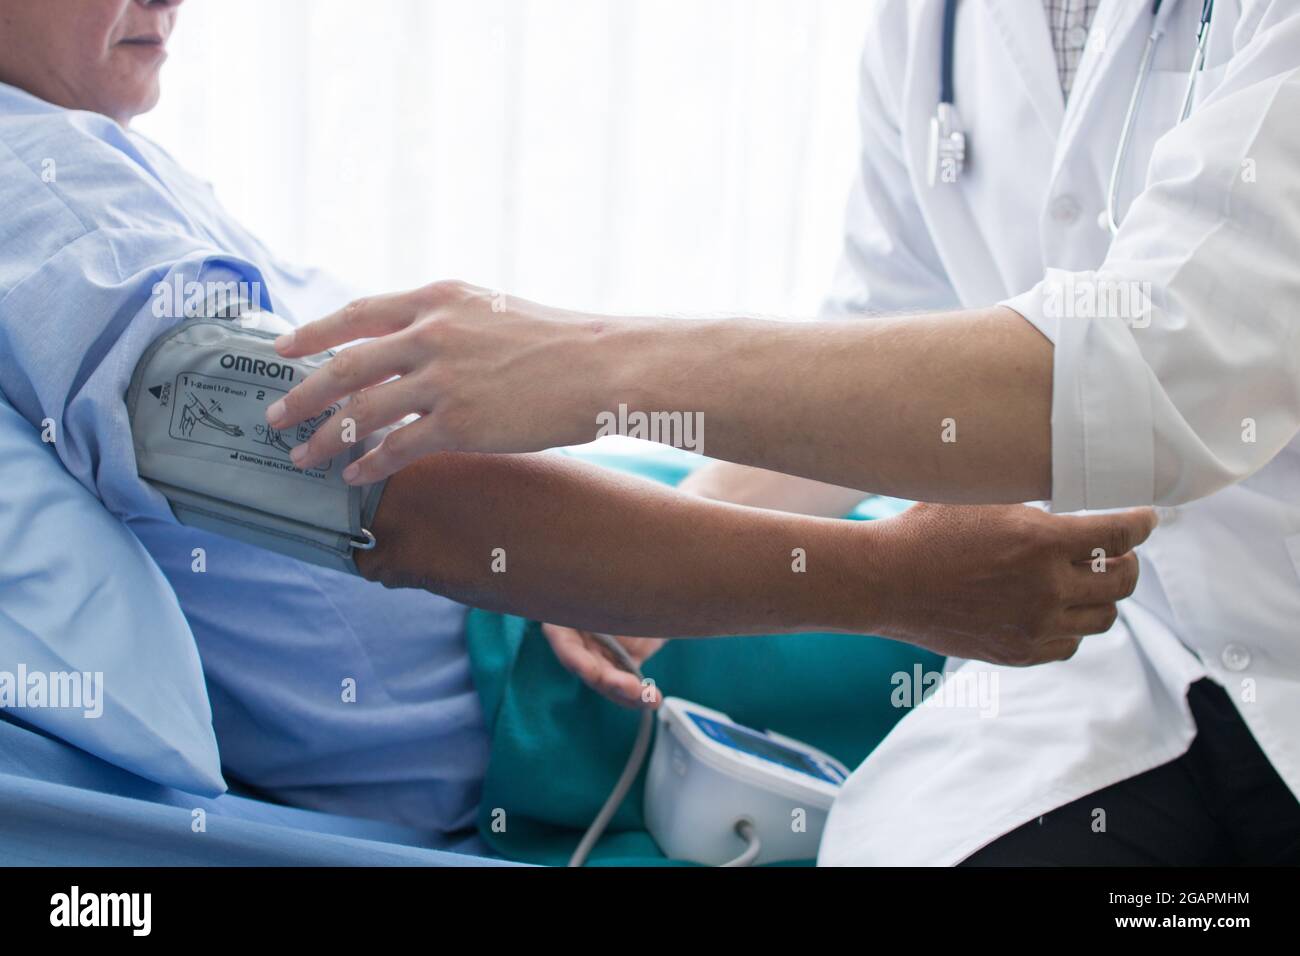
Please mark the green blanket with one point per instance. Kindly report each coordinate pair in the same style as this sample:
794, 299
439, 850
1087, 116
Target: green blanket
557, 747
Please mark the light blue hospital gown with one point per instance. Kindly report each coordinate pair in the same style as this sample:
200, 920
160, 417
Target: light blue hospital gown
91, 218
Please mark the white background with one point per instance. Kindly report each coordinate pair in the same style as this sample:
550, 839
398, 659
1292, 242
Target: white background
626, 155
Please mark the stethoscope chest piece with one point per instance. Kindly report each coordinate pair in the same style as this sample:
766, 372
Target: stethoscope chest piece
947, 145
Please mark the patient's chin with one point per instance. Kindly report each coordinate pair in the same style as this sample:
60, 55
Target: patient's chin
133, 98
147, 100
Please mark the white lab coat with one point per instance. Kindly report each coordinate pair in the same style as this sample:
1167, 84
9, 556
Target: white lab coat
1159, 414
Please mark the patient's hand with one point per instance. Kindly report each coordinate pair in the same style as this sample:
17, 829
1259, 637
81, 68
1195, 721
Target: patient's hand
1009, 584
583, 656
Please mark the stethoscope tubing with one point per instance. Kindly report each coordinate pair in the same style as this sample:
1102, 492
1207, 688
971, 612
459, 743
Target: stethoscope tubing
947, 95
1139, 88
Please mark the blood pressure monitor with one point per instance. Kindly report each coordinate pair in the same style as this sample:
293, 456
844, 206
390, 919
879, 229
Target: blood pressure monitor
709, 773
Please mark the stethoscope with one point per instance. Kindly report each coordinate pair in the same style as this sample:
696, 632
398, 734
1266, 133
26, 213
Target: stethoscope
948, 140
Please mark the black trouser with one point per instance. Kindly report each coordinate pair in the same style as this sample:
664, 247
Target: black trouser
1221, 803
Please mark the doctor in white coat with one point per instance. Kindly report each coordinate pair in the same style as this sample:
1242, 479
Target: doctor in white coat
1192, 403
1055, 359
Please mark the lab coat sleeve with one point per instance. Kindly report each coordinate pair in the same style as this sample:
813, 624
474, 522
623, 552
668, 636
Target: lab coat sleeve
72, 331
1177, 363
888, 262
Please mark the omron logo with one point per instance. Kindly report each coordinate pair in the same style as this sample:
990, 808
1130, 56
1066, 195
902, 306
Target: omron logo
242, 363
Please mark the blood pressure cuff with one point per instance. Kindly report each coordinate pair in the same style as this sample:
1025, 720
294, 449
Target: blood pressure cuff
197, 404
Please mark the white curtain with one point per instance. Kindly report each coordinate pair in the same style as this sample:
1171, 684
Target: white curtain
626, 155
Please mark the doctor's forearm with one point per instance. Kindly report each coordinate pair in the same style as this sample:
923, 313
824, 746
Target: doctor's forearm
953, 407
550, 538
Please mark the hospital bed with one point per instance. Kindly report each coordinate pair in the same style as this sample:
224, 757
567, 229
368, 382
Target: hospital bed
61, 806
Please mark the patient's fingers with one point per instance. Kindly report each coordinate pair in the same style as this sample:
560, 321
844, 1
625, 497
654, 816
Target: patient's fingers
570, 649
1093, 586
1097, 619
582, 657
1114, 534
363, 319
365, 413
348, 372
611, 681
617, 685
1058, 650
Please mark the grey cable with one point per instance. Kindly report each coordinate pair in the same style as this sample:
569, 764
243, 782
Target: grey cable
635, 760
745, 830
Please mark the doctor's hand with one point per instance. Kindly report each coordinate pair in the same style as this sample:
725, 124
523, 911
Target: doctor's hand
584, 657
482, 372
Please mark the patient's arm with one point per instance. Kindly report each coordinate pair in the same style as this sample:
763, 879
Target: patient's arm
595, 549
601, 551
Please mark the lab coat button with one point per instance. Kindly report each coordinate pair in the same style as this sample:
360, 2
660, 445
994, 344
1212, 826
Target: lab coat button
1166, 516
1065, 209
1235, 657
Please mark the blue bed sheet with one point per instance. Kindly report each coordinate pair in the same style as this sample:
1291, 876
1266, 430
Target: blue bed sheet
62, 806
